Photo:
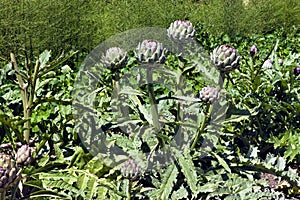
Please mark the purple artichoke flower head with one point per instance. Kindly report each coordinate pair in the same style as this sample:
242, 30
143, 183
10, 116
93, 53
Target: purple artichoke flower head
253, 50
131, 169
297, 71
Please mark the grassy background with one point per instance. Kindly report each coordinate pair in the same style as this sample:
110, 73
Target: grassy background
35, 25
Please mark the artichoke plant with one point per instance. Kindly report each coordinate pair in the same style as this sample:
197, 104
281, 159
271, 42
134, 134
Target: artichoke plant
114, 58
150, 51
130, 169
225, 58
181, 31
24, 155
8, 171
209, 94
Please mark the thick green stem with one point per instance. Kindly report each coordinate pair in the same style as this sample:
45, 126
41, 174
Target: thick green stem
116, 85
117, 89
179, 105
179, 86
252, 74
202, 126
222, 80
30, 101
33, 82
115, 82
180, 94
2, 195
259, 125
24, 96
152, 100
128, 195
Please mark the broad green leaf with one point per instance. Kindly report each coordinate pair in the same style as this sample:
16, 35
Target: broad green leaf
130, 91
102, 192
141, 108
237, 119
43, 161
91, 188
58, 175
60, 184
44, 58
34, 183
168, 179
281, 163
181, 193
253, 152
221, 162
189, 171
59, 154
47, 194
82, 182
208, 187
66, 69
187, 98
94, 165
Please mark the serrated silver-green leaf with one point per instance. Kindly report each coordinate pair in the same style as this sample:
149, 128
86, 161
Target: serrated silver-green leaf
166, 186
59, 184
92, 187
82, 184
135, 100
189, 171
44, 58
221, 161
181, 193
168, 181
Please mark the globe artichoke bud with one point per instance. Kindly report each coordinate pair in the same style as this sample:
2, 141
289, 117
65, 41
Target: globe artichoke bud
130, 169
225, 58
8, 171
268, 64
209, 94
253, 50
297, 71
181, 31
150, 51
114, 58
24, 155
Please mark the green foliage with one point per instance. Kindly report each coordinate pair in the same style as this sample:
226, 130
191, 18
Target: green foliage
259, 114
40, 85
72, 182
271, 95
167, 183
81, 25
36, 103
236, 17
290, 141
228, 171
188, 169
35, 25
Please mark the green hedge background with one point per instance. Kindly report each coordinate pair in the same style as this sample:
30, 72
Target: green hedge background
35, 25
